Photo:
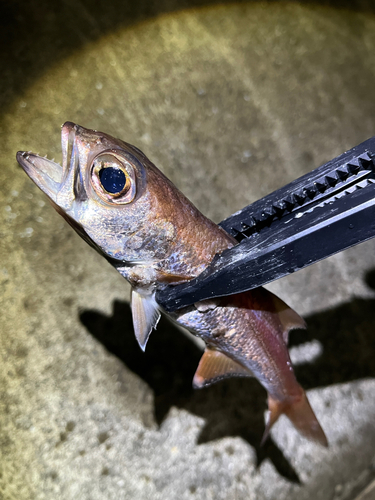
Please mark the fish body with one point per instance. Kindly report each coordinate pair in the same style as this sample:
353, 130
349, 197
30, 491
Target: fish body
125, 208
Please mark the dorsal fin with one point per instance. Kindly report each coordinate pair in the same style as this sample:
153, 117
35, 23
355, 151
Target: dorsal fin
215, 366
146, 314
289, 319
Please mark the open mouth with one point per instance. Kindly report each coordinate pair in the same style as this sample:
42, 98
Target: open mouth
48, 175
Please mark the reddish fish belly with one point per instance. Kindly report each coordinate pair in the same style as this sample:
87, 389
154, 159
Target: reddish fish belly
249, 329
245, 328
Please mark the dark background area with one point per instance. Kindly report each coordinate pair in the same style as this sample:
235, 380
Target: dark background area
36, 34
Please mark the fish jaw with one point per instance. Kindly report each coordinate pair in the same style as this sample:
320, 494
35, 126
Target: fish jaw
45, 173
52, 178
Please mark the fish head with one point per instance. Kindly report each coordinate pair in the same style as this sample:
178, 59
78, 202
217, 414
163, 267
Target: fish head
107, 190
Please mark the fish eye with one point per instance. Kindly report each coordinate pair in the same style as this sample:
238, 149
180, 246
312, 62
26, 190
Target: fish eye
113, 178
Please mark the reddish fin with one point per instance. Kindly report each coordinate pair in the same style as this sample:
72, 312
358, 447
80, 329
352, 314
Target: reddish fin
289, 319
215, 366
300, 414
275, 409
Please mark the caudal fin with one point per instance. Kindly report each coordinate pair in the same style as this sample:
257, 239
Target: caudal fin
300, 414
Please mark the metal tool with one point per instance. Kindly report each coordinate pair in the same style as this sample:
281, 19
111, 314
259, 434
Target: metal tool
321, 213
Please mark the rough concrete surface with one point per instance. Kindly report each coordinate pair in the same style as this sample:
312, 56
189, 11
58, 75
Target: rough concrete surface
231, 101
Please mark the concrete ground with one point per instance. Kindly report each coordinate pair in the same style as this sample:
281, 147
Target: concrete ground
231, 101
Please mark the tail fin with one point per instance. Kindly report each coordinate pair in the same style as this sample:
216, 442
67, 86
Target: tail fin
300, 414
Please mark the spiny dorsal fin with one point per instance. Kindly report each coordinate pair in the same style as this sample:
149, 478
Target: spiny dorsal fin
145, 312
215, 366
289, 319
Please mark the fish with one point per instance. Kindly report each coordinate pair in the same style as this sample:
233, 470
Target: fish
124, 207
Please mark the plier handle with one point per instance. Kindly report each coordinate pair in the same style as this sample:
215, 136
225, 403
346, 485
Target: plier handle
321, 213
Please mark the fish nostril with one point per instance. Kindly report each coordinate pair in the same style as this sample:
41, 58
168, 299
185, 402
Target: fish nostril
69, 126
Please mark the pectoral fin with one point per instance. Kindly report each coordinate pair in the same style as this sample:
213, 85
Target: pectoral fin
215, 366
146, 314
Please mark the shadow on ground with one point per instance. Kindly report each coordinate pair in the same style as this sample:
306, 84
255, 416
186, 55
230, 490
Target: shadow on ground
236, 407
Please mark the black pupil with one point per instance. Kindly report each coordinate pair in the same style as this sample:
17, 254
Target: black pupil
113, 179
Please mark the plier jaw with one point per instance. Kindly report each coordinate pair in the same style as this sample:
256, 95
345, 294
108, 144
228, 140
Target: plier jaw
321, 213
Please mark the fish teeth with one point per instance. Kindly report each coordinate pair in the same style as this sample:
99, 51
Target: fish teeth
53, 159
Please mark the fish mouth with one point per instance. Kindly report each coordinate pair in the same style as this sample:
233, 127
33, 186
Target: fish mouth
48, 175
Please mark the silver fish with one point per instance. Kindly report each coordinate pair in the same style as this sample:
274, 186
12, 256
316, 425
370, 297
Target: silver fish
125, 208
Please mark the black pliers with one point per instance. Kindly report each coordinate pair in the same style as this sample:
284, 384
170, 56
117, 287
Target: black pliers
321, 213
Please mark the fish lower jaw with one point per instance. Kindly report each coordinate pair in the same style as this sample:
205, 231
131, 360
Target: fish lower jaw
47, 174
50, 167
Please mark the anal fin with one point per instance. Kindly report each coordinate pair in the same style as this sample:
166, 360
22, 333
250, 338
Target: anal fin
146, 314
215, 366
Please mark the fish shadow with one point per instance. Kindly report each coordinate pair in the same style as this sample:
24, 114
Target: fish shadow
346, 333
235, 407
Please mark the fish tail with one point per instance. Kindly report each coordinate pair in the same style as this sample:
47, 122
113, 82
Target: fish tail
300, 413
